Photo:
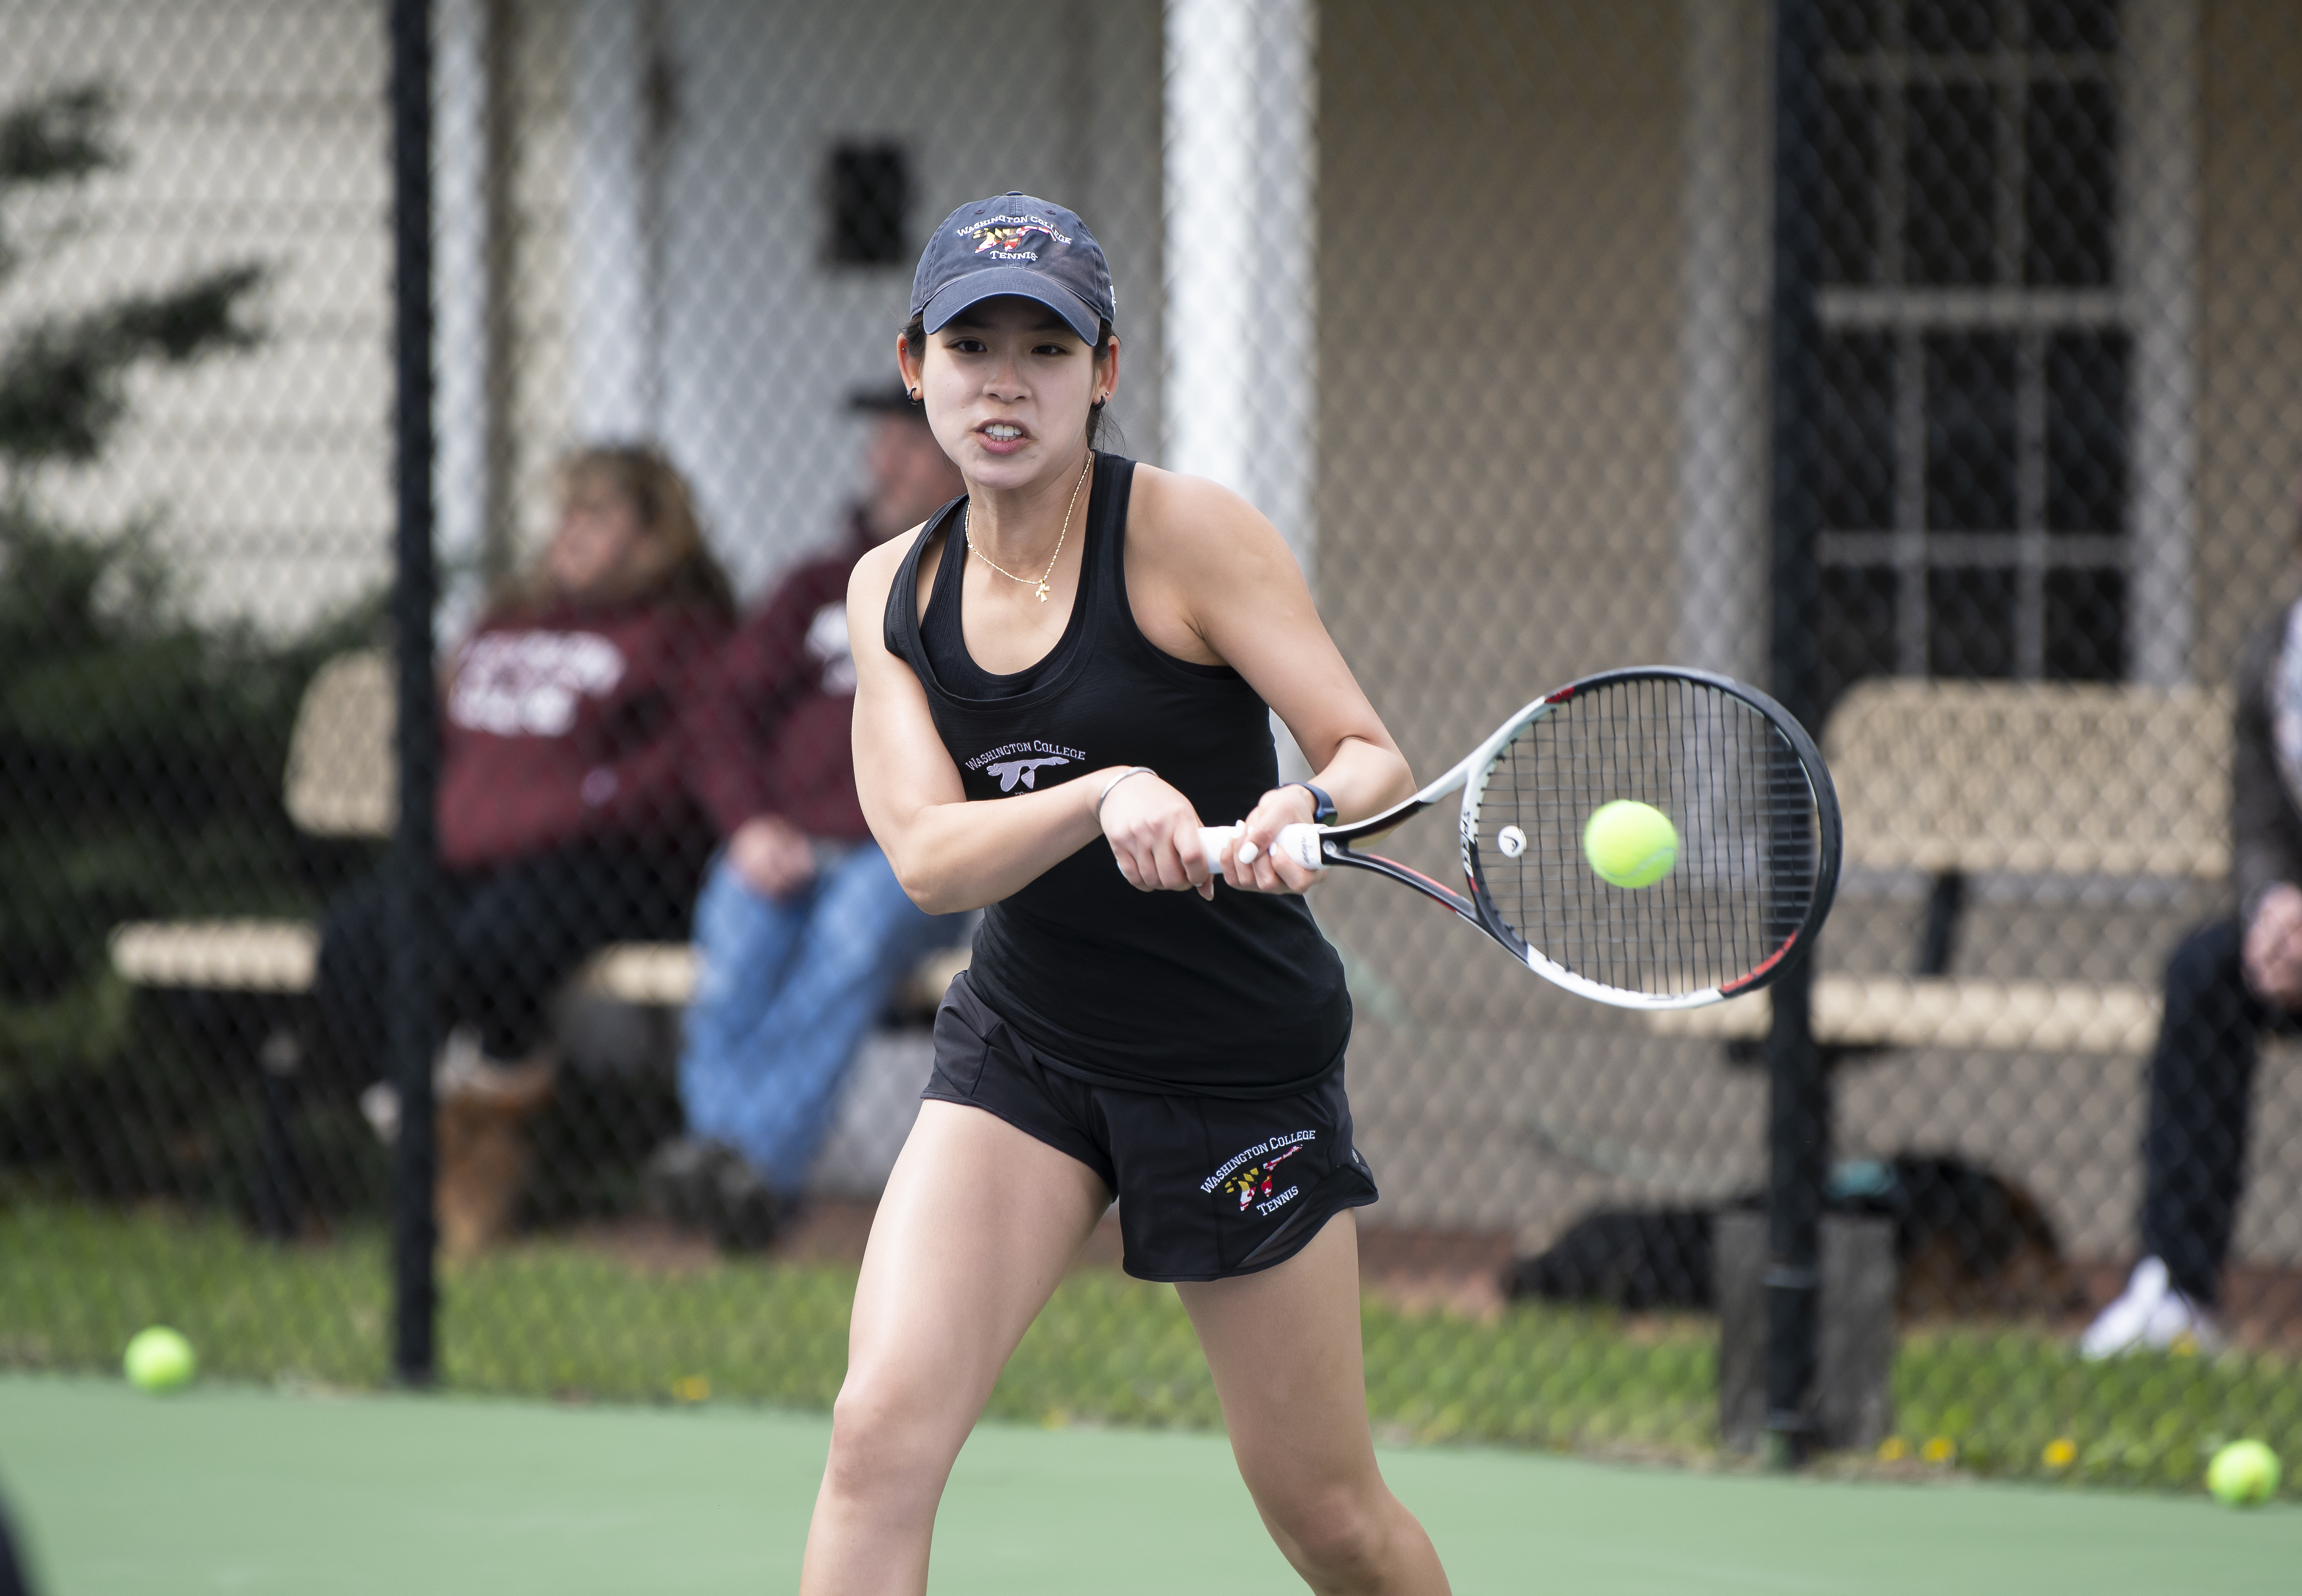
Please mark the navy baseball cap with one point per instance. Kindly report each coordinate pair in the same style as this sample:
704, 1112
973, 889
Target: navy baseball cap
1014, 244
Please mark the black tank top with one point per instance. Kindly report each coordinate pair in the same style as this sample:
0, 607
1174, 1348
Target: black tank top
1239, 997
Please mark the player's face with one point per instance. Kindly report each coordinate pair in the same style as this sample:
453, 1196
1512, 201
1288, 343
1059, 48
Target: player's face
1008, 386
598, 539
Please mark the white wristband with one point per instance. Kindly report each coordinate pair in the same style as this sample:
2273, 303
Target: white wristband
1115, 781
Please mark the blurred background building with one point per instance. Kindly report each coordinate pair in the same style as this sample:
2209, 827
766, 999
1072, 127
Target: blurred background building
1472, 299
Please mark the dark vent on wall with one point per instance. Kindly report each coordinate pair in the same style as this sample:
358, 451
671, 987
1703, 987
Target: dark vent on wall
870, 196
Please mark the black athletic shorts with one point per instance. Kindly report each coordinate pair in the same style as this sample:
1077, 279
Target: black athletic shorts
1207, 1187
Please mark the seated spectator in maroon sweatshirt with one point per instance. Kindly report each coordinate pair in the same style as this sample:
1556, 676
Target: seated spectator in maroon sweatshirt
564, 820
801, 931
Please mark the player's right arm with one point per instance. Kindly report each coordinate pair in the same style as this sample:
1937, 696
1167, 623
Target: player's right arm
951, 855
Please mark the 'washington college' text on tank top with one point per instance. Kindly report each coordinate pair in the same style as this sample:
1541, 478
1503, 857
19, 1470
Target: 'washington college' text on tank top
1162, 991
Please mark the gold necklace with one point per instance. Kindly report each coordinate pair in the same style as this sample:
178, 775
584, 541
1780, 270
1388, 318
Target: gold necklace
967, 517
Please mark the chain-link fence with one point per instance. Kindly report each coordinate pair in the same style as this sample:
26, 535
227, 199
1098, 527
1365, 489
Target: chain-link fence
1963, 420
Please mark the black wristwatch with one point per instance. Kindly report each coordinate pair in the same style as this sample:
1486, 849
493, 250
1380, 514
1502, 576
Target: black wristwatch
1323, 807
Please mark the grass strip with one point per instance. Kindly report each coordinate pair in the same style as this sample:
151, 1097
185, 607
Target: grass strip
556, 1319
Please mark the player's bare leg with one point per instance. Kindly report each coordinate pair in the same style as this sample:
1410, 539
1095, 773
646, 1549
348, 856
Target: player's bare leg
977, 1225
1284, 1349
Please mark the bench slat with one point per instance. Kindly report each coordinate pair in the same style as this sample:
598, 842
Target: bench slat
282, 955
225, 956
656, 973
2033, 778
1969, 1012
664, 973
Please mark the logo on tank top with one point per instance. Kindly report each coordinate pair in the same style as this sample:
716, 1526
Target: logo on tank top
1253, 1175
1021, 762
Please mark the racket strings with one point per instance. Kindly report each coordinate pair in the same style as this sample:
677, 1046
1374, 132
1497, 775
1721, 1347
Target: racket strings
1748, 862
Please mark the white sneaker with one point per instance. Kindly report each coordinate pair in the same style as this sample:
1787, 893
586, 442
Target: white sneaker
2183, 1325
2151, 1316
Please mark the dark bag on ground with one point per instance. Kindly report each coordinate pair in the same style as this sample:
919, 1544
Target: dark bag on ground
1966, 1240
1636, 1259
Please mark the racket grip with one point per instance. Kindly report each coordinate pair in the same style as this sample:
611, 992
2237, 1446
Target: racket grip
1298, 842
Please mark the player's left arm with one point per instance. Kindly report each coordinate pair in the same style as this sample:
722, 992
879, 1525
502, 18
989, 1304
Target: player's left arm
1229, 574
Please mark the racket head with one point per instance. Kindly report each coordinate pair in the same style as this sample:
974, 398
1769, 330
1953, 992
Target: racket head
1741, 783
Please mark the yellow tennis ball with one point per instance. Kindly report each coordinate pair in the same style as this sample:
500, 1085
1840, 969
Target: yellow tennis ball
158, 1359
1630, 844
2243, 1474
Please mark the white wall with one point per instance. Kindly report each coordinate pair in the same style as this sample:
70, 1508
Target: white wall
761, 341
264, 476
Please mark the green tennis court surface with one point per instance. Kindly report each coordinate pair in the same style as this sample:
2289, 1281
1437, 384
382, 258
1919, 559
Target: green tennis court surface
247, 1491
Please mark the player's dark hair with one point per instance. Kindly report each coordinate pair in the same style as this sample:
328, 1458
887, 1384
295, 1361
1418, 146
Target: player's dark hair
915, 344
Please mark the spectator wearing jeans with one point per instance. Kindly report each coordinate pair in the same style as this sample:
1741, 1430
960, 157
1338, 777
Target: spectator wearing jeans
2227, 983
564, 821
801, 929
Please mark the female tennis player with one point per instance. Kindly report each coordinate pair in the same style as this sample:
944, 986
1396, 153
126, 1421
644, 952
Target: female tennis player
1060, 677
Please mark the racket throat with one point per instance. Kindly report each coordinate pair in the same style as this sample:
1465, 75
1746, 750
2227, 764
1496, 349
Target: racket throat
1445, 896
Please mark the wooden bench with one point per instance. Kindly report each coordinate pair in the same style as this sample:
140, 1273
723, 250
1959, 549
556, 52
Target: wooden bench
341, 782
1960, 779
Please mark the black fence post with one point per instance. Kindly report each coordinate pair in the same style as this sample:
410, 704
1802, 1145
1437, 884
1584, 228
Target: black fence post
1798, 1118
415, 863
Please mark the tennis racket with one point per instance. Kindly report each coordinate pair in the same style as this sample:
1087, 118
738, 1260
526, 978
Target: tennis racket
1739, 779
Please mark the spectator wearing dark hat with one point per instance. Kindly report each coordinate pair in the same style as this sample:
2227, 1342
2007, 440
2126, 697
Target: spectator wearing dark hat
801, 929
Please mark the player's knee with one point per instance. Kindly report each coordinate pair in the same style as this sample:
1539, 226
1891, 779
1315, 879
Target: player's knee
881, 1443
1339, 1534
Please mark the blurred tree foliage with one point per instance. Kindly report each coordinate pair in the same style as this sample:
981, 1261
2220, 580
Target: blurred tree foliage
141, 751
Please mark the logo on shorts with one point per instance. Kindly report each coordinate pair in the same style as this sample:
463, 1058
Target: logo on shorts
1252, 1175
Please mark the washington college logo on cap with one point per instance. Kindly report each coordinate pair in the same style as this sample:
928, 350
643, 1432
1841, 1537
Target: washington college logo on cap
1009, 238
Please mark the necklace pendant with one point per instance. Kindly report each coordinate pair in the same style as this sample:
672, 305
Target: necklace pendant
1043, 592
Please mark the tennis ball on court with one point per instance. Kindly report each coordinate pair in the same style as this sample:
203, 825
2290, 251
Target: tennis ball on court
1630, 844
2243, 1474
158, 1359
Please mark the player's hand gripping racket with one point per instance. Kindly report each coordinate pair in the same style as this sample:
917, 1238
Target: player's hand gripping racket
1752, 819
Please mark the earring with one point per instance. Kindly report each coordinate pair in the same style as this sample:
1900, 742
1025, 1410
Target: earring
915, 396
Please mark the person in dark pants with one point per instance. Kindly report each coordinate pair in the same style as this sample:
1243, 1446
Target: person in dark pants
564, 819
514, 932
801, 929
2227, 983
